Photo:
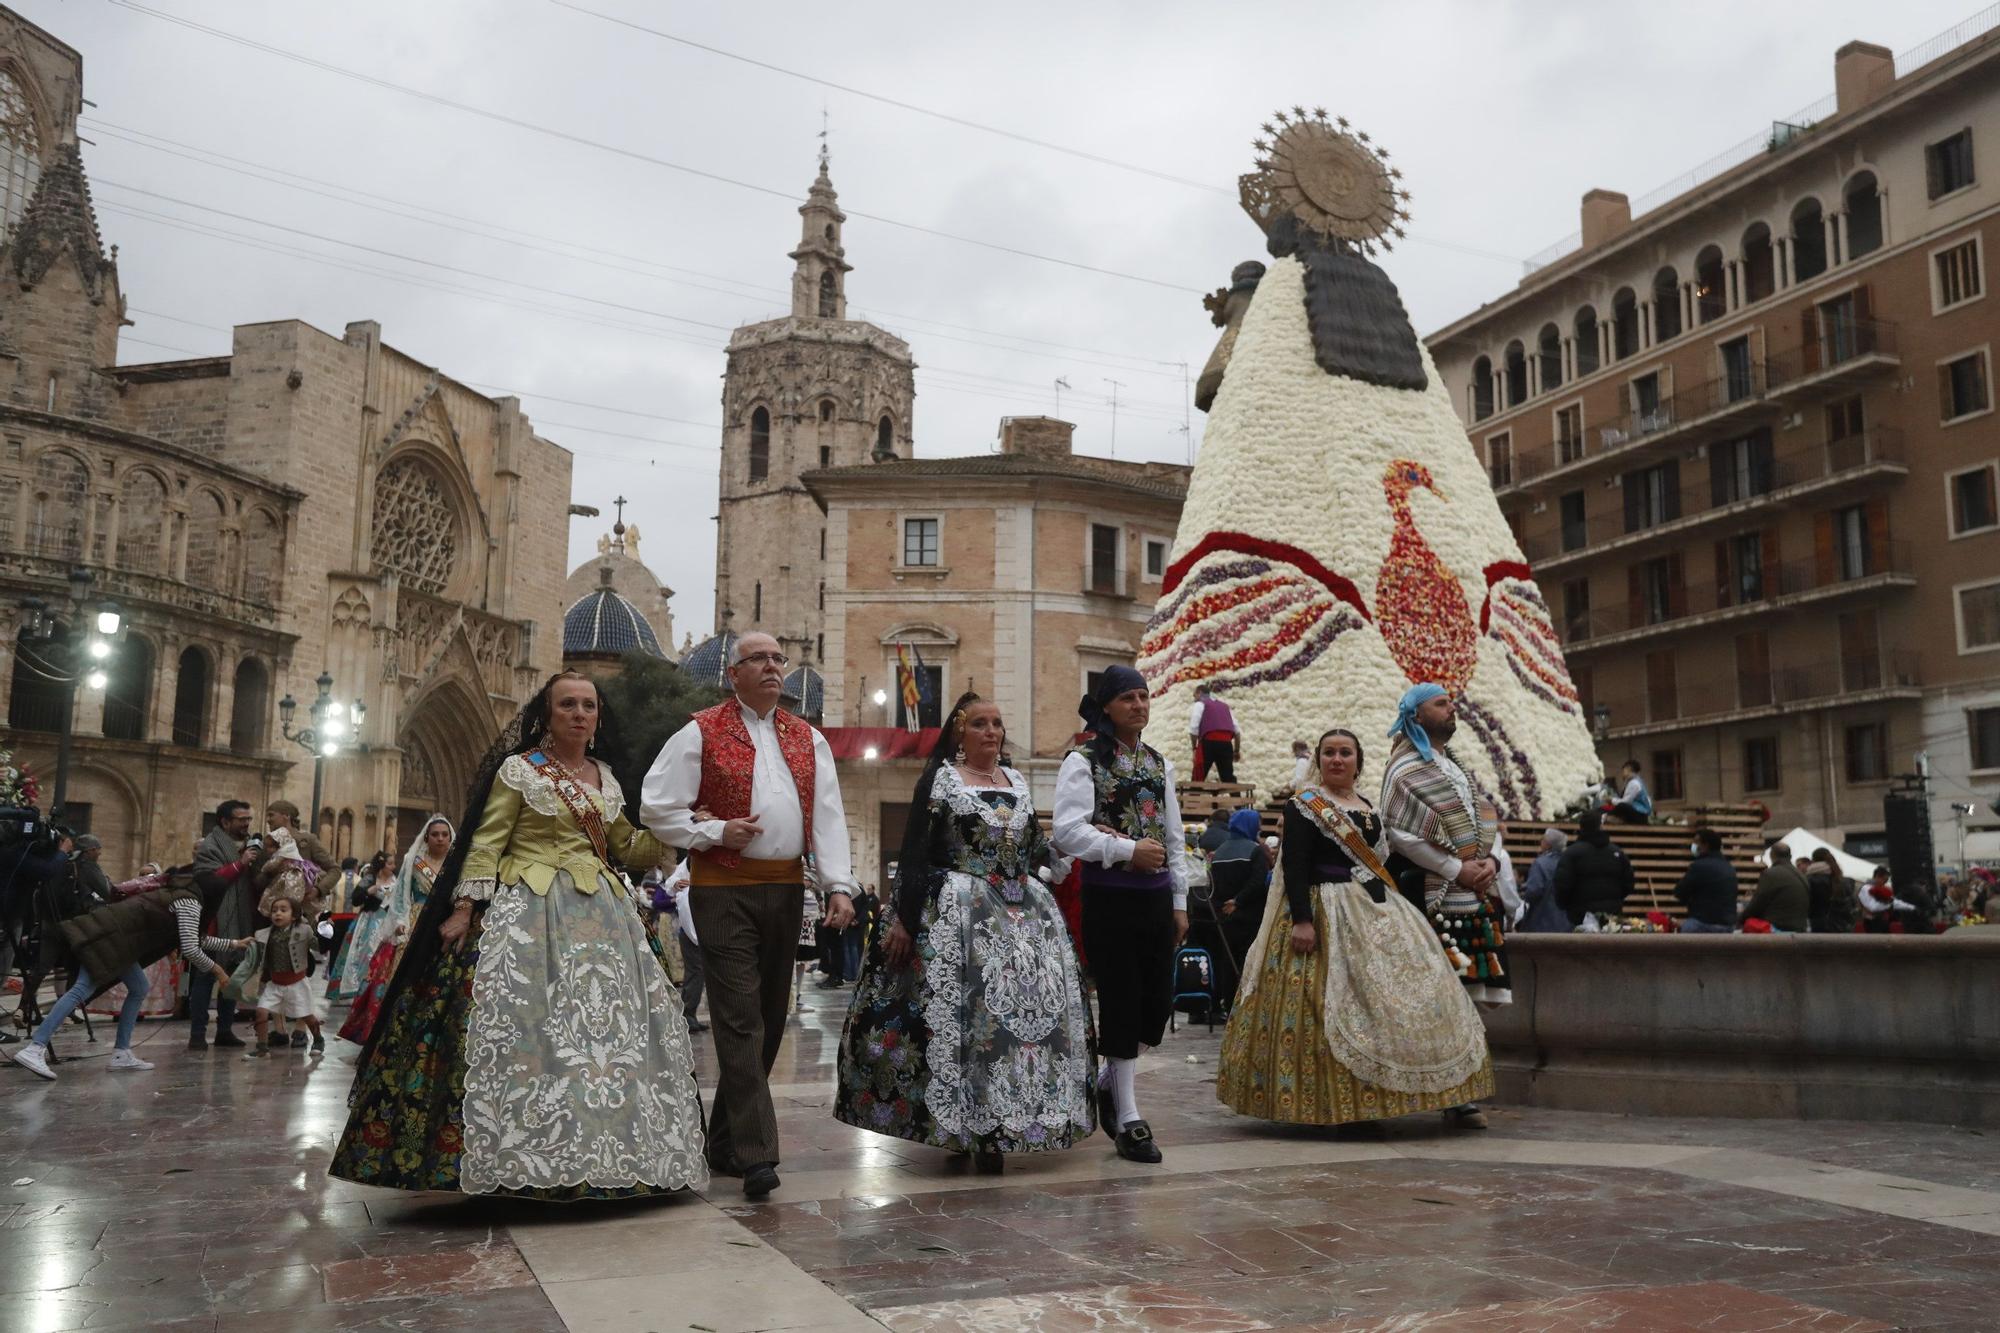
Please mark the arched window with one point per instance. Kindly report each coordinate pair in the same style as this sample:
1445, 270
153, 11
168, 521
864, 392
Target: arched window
828, 297
62, 488
757, 602
760, 444
20, 152
37, 701
829, 231
1864, 215
826, 409
1758, 281
1516, 361
1808, 241
253, 701
142, 523
1482, 389
1711, 297
191, 699
885, 435
207, 544
1586, 340
1666, 304
263, 557
1624, 324
343, 838
416, 530
128, 689
1549, 351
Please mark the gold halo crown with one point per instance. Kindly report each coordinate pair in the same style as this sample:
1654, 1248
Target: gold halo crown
1332, 181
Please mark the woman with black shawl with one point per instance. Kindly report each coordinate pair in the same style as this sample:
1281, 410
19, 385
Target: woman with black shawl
969, 1030
530, 1043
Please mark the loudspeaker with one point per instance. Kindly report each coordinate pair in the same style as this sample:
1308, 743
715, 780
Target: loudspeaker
1906, 820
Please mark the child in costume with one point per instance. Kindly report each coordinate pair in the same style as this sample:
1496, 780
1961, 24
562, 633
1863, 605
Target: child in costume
273, 977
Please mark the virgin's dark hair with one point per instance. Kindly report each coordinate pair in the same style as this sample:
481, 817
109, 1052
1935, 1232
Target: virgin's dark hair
528, 730
913, 863
1360, 755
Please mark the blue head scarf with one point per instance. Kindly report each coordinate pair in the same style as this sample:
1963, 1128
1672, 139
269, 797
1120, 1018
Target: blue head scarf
1114, 681
1244, 824
1406, 717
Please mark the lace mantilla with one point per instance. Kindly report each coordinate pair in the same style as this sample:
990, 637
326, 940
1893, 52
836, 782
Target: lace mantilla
538, 793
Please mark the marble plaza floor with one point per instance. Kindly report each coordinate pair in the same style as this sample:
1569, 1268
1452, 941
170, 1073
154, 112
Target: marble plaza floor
195, 1197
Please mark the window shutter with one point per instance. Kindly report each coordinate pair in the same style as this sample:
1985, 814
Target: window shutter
1763, 467
1878, 536
1724, 579
1635, 491
1770, 575
1823, 566
1808, 341
1933, 173
1861, 303
1635, 597
1677, 588
1625, 398
1673, 489
1718, 474
1944, 393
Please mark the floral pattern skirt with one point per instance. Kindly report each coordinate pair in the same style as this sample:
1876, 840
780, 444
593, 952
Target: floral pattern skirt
984, 1042
546, 1058
367, 1007
349, 974
1276, 1064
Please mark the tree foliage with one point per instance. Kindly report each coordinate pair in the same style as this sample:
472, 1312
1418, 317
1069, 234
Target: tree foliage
651, 699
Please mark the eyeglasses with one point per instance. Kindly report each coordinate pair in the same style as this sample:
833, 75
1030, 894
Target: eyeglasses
759, 659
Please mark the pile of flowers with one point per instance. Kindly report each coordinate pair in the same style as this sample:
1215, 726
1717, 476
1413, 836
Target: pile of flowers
1653, 923
18, 785
1271, 595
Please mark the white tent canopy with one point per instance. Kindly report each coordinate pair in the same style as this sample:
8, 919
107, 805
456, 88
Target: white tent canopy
1805, 843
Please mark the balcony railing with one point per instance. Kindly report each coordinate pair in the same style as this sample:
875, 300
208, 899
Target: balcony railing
1843, 346
1767, 482
1719, 694
1105, 580
1767, 585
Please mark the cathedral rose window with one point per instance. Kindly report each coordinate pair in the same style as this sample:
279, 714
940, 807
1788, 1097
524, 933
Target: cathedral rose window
416, 526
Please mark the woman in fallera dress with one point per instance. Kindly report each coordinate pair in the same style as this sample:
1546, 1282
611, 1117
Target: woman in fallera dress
406, 900
1349, 1010
371, 926
530, 1043
968, 1030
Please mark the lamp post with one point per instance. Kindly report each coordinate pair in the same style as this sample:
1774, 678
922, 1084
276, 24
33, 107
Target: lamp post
71, 659
335, 726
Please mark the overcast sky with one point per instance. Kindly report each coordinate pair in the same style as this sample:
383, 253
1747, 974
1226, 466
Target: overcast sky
1500, 115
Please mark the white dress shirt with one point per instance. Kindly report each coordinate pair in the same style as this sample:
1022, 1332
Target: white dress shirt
1077, 835
1302, 771
673, 785
677, 886
1194, 718
1504, 882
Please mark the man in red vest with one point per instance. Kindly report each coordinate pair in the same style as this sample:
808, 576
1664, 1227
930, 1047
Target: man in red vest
749, 791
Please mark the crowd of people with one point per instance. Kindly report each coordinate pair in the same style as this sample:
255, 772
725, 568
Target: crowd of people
524, 985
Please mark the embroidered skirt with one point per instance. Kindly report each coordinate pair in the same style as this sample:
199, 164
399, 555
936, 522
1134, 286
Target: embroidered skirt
547, 1057
983, 1043
1278, 1060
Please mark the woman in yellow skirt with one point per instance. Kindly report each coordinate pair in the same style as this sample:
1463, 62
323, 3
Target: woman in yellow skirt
1348, 1010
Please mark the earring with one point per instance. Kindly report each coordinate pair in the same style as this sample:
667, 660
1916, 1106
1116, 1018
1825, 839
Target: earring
958, 757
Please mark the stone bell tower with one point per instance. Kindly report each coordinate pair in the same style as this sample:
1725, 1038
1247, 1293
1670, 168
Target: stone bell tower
811, 389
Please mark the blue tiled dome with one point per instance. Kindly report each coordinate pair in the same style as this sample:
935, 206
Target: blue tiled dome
809, 688
706, 659
603, 624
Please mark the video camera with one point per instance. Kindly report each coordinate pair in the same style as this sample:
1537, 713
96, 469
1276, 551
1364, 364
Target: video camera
30, 855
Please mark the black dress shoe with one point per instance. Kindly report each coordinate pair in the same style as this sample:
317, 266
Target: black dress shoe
1135, 1143
988, 1163
198, 1042
759, 1180
229, 1039
696, 1026
1107, 1111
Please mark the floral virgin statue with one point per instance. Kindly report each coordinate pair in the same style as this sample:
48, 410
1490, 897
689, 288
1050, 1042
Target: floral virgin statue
1340, 540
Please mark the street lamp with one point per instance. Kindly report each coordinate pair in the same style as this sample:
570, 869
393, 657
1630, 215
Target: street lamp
70, 660
334, 727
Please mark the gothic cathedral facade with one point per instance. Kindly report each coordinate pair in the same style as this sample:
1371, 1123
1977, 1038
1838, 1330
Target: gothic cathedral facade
810, 390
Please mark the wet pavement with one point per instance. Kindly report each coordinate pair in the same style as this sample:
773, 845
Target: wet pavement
195, 1197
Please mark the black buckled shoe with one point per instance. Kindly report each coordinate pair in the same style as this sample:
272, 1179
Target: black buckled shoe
1135, 1143
759, 1180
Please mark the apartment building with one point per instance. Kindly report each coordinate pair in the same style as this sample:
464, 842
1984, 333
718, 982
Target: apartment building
1747, 440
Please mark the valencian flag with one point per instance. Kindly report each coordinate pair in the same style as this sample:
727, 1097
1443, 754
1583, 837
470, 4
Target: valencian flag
910, 680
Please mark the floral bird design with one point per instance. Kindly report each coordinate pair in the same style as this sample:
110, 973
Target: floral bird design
1420, 608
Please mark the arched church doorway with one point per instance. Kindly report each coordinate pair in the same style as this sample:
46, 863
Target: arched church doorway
448, 729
